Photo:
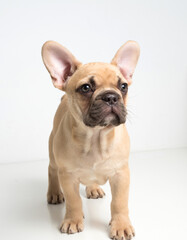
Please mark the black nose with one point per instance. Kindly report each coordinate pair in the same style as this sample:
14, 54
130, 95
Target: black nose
110, 98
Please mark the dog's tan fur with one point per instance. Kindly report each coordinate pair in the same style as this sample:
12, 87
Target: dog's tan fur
83, 154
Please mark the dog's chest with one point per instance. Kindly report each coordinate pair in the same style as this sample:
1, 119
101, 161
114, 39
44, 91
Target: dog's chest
97, 162
92, 156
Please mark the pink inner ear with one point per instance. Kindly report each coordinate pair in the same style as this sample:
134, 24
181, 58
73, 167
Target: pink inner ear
126, 71
59, 62
126, 59
67, 71
60, 68
126, 63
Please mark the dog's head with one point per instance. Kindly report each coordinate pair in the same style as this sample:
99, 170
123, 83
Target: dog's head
97, 92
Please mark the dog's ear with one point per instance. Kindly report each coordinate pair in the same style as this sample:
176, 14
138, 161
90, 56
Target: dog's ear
126, 59
59, 62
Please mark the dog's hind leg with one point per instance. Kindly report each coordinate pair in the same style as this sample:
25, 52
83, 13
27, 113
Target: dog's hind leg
54, 194
94, 191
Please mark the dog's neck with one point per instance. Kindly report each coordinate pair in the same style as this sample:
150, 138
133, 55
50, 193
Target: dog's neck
88, 138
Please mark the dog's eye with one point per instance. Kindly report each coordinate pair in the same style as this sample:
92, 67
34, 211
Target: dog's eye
124, 87
85, 88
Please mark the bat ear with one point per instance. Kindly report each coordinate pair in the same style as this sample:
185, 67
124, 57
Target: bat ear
60, 63
126, 59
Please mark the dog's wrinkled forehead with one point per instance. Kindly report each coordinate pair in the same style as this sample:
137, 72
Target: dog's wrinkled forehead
104, 75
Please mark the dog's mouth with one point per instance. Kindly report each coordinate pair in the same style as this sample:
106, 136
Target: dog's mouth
101, 114
111, 118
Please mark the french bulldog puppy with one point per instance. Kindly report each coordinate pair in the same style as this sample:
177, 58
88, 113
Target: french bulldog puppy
89, 143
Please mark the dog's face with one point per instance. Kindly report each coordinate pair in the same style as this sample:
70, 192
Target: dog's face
97, 92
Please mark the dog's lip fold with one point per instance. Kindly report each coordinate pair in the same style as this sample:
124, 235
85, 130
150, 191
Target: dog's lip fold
114, 110
111, 116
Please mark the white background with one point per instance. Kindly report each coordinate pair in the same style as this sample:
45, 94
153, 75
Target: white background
92, 31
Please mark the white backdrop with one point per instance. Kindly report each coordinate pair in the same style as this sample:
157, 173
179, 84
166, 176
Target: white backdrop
92, 31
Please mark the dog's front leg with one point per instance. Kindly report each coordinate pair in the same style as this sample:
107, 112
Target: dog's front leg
73, 220
121, 227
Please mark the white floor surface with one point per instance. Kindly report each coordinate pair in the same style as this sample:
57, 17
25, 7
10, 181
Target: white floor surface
158, 201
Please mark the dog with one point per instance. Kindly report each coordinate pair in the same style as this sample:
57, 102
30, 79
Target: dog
89, 143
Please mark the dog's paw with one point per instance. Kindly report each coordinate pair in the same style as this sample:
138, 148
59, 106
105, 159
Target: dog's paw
55, 198
94, 192
71, 225
121, 228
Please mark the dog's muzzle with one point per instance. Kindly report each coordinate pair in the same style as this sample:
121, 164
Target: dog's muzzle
107, 109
